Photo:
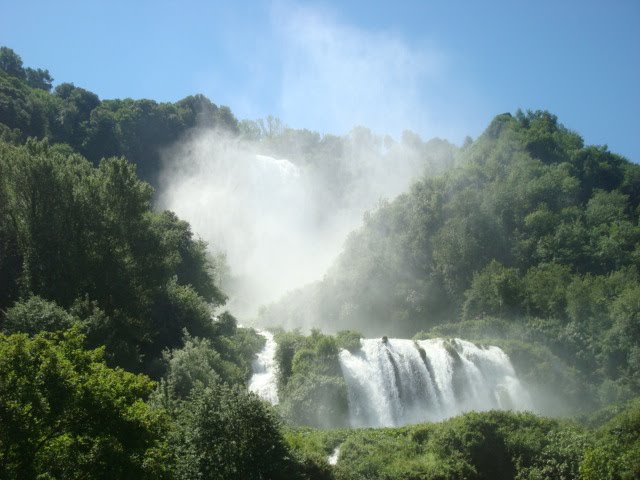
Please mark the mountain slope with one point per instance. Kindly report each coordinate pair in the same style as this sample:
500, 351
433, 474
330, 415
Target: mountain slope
533, 227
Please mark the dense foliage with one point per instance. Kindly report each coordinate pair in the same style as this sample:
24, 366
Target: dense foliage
533, 227
65, 414
86, 238
496, 445
136, 129
532, 242
311, 388
224, 433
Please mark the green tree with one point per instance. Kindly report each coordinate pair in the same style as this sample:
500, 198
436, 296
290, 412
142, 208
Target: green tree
65, 414
545, 290
226, 433
38, 78
616, 452
11, 63
36, 315
496, 290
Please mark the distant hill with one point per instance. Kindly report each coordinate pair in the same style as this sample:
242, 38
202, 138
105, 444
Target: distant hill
67, 114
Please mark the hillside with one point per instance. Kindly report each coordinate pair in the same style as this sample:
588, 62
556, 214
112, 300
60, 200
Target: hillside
534, 236
118, 360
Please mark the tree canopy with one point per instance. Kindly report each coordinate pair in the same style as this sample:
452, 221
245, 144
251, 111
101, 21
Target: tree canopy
65, 414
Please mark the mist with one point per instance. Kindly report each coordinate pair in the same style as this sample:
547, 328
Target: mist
279, 207
280, 203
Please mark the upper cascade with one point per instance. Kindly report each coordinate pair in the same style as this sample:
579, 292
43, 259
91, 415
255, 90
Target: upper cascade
393, 382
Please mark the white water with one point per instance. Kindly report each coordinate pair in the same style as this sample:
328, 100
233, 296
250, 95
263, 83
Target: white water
333, 458
264, 381
399, 382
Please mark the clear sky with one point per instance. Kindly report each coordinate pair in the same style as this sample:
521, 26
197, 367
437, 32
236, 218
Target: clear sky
440, 68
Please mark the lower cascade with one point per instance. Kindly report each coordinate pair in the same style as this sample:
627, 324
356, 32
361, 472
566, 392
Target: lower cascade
264, 380
393, 382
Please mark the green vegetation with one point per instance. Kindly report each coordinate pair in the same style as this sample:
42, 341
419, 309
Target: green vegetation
63, 412
615, 453
311, 388
70, 115
94, 284
532, 227
497, 445
117, 361
224, 433
86, 238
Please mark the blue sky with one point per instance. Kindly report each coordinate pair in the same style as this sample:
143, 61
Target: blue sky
440, 68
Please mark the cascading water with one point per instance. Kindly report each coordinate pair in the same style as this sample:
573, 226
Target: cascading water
393, 382
264, 380
396, 382
334, 457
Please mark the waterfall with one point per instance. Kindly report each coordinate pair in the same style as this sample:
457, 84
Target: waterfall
334, 457
393, 382
264, 380
396, 382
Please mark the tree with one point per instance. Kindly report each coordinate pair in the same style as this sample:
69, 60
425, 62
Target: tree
65, 414
616, 454
227, 434
11, 63
36, 315
74, 234
496, 290
46, 219
10, 261
39, 79
186, 256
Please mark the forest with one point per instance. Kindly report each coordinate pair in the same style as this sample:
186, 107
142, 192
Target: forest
118, 358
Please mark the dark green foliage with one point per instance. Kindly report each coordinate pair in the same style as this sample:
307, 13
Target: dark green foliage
15, 108
204, 362
531, 226
311, 387
36, 315
11, 63
195, 364
39, 79
180, 308
495, 445
225, 433
65, 414
82, 236
495, 290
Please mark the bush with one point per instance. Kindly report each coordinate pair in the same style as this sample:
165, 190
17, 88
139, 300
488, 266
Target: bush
36, 315
226, 433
